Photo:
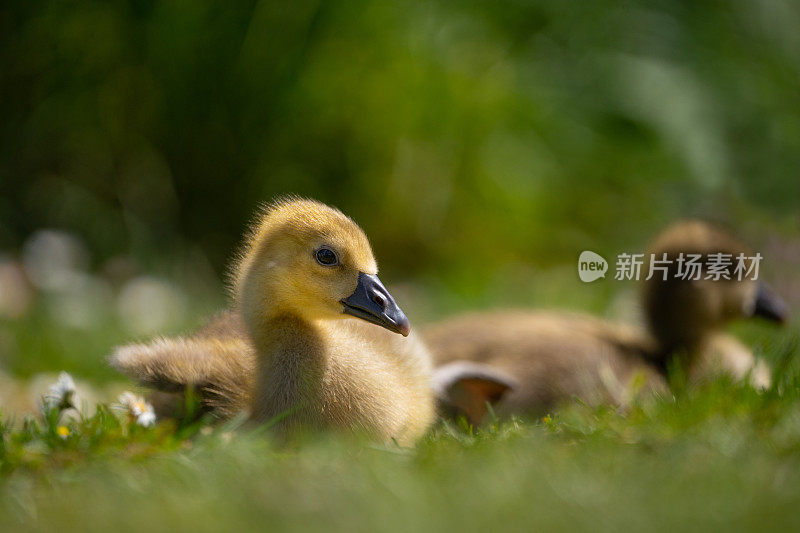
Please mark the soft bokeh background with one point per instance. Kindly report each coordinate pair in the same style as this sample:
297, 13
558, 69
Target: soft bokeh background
481, 145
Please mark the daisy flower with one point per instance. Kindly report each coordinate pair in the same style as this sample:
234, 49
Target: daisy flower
137, 408
62, 394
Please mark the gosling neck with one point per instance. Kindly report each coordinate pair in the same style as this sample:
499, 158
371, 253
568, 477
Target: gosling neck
291, 362
679, 345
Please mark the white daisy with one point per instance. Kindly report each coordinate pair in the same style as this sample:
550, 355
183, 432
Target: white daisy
137, 407
62, 394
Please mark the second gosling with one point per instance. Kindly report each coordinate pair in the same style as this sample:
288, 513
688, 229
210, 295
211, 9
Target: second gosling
533, 361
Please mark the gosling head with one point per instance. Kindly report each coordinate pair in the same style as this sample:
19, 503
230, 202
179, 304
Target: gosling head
311, 260
680, 312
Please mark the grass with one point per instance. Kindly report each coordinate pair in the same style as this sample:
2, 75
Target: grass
717, 456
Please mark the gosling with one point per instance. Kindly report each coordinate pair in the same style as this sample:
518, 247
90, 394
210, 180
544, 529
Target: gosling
292, 355
534, 361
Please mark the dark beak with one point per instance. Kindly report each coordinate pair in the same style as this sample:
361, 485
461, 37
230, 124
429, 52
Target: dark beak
373, 303
770, 306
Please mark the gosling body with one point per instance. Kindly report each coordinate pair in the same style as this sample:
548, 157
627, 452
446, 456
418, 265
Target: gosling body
548, 357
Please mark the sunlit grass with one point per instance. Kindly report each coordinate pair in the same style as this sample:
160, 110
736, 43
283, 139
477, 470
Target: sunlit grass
719, 456
722, 455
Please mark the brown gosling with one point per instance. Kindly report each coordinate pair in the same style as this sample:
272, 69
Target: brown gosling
289, 349
535, 361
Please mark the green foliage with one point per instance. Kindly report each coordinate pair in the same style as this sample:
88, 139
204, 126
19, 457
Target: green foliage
718, 456
462, 135
62, 439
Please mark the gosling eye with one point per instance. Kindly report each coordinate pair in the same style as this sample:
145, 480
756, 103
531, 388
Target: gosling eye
326, 257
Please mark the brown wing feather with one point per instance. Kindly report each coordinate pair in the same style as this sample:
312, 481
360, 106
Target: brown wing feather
219, 362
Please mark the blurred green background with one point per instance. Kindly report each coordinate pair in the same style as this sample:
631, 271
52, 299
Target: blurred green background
481, 145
